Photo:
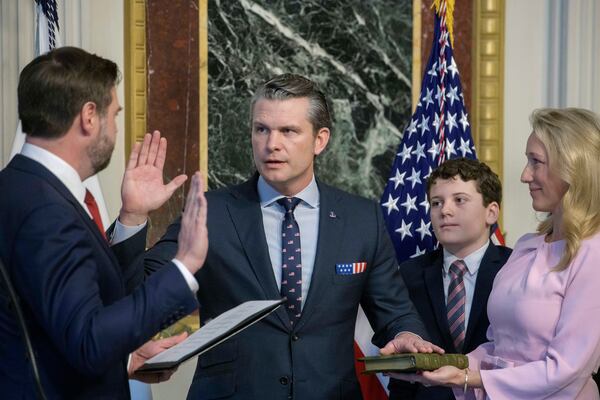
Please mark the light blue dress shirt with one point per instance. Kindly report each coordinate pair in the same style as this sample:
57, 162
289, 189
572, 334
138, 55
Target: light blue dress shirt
307, 216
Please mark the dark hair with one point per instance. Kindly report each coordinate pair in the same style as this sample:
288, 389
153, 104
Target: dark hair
292, 86
486, 180
54, 87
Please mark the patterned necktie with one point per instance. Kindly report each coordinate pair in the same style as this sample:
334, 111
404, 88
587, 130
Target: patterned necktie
291, 260
456, 304
92, 206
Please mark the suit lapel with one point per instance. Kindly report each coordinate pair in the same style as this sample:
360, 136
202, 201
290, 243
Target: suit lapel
435, 288
490, 264
25, 164
331, 226
246, 217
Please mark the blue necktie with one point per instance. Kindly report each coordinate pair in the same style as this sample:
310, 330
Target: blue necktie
456, 303
291, 260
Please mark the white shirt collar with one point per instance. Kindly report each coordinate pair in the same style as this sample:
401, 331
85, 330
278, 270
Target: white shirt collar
59, 168
472, 261
268, 195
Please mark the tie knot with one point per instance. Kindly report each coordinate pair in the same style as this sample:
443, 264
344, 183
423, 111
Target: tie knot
458, 268
289, 203
89, 198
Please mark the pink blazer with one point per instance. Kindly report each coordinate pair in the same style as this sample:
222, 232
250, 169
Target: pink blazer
544, 334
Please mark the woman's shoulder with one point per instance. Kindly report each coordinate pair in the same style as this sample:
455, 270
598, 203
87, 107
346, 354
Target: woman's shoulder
593, 239
528, 241
591, 244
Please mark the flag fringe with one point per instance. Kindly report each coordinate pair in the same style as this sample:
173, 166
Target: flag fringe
447, 7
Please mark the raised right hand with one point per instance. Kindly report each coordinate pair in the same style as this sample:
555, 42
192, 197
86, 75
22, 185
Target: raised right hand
193, 235
143, 189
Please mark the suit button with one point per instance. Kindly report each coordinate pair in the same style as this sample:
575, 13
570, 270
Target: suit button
295, 337
284, 380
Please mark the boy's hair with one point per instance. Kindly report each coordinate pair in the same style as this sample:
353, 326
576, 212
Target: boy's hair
486, 180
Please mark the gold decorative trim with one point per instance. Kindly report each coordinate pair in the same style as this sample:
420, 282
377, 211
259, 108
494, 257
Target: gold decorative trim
416, 53
203, 90
135, 72
487, 114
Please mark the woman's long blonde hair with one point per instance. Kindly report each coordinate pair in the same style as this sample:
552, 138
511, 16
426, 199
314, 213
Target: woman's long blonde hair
572, 139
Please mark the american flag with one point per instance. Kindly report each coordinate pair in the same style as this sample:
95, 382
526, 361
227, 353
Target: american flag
438, 130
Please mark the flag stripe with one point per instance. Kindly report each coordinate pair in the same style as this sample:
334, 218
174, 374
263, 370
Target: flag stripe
373, 387
370, 386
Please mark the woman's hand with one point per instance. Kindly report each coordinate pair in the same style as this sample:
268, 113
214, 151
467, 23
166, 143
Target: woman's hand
445, 376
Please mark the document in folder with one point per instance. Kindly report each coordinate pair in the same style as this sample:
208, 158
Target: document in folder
214, 332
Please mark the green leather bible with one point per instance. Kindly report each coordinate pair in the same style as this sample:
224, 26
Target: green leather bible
411, 362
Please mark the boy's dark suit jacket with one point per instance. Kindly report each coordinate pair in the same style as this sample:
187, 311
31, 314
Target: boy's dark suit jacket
423, 277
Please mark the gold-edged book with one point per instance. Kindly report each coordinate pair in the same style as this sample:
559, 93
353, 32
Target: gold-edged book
411, 362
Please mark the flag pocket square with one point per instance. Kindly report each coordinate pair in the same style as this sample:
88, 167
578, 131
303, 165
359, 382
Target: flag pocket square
350, 268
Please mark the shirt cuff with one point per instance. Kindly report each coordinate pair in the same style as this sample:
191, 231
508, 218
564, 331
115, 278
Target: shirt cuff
123, 232
187, 275
128, 362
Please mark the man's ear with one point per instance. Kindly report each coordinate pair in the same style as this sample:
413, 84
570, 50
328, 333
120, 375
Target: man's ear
89, 118
492, 213
321, 140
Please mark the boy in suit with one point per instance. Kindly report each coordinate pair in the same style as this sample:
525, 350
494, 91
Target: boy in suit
450, 286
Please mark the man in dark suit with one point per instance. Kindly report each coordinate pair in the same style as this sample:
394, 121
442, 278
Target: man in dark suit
465, 199
84, 311
285, 233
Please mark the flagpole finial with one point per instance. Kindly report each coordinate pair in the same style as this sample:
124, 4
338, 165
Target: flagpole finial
445, 10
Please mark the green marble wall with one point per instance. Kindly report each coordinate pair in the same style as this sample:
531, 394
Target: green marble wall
359, 51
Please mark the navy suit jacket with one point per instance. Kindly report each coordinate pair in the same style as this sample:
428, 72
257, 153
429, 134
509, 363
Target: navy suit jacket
81, 309
423, 277
315, 359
